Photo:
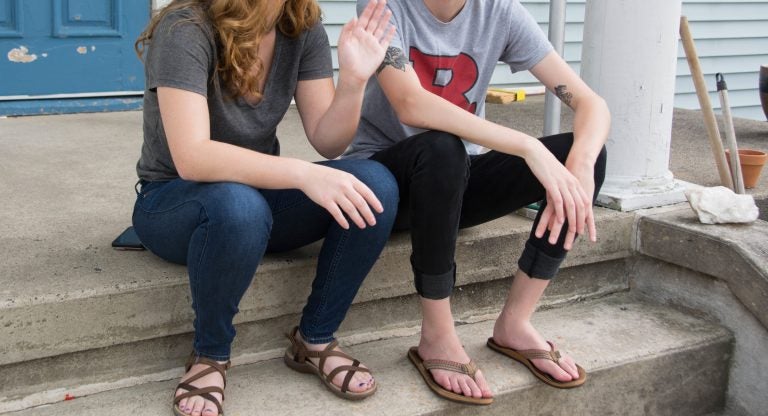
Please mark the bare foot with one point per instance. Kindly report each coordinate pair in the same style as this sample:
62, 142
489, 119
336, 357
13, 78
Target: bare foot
196, 405
521, 335
448, 347
360, 381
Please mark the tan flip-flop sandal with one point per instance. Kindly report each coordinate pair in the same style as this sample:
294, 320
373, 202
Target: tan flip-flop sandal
204, 392
525, 356
469, 369
296, 357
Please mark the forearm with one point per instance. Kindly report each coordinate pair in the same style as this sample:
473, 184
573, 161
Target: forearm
337, 126
591, 125
213, 161
425, 110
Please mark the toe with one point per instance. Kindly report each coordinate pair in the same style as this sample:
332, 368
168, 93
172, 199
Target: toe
482, 384
443, 380
570, 367
210, 409
455, 387
465, 389
360, 382
474, 388
554, 370
197, 407
183, 404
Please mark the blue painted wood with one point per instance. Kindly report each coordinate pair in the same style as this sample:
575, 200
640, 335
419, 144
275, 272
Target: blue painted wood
70, 46
10, 19
69, 106
86, 18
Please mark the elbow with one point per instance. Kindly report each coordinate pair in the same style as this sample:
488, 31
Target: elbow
407, 110
330, 154
186, 172
187, 169
603, 106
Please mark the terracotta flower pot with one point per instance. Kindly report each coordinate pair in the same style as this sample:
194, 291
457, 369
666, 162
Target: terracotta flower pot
752, 162
764, 89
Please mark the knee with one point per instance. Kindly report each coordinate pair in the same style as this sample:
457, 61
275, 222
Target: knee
378, 179
238, 209
381, 181
443, 149
443, 156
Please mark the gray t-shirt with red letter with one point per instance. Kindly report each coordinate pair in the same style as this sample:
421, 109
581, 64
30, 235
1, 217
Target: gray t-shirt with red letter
183, 54
454, 60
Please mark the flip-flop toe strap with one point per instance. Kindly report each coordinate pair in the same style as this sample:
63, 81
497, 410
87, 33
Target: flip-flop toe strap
551, 355
469, 369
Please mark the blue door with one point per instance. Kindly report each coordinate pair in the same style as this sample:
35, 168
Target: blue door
69, 53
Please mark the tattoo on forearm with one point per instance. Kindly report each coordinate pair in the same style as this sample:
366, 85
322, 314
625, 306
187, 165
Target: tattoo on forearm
393, 57
561, 91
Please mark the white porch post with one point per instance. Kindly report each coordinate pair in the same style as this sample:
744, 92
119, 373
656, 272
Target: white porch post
629, 58
157, 4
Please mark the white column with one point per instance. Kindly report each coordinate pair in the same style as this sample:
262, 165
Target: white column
158, 4
552, 106
629, 58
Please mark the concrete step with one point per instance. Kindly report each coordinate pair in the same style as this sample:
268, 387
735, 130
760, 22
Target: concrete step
96, 297
641, 358
96, 369
87, 306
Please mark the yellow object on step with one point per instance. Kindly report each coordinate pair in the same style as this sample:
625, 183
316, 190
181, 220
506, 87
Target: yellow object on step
503, 96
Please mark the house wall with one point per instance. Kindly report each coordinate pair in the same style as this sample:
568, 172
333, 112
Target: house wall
731, 37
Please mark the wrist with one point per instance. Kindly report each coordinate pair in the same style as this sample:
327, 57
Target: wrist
349, 83
530, 146
579, 164
299, 172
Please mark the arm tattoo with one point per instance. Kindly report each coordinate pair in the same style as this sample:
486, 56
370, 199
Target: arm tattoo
561, 91
393, 57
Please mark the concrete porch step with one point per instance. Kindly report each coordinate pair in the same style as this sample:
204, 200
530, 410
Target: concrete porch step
641, 358
83, 308
95, 369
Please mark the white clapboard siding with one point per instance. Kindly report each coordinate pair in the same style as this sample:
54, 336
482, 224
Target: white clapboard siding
731, 37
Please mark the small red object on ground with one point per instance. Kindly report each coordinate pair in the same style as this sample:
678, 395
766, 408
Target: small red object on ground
68, 397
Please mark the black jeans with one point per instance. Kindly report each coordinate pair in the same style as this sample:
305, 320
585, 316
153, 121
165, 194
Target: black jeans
443, 189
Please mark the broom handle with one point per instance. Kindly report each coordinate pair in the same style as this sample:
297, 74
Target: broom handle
730, 135
704, 103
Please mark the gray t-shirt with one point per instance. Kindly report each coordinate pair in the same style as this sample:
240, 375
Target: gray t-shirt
454, 60
183, 55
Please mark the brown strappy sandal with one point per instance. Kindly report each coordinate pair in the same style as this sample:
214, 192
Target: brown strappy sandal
469, 369
525, 356
296, 357
204, 392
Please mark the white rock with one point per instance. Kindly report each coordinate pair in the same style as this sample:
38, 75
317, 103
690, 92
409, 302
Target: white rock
720, 205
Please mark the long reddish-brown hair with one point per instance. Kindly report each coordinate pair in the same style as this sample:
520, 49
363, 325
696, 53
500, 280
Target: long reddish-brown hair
240, 26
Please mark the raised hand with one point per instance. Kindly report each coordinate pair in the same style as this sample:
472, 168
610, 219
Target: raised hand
341, 193
364, 40
567, 199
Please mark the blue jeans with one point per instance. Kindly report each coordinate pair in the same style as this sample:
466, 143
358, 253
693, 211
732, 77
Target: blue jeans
222, 230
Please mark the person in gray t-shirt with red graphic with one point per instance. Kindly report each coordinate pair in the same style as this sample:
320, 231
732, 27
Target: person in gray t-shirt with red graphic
215, 195
423, 119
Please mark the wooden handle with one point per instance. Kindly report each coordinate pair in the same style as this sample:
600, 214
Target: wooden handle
730, 141
704, 103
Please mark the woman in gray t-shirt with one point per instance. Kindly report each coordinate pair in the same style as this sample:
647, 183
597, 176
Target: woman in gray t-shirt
215, 195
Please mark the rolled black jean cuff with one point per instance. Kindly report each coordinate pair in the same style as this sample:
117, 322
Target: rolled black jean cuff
435, 286
537, 264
